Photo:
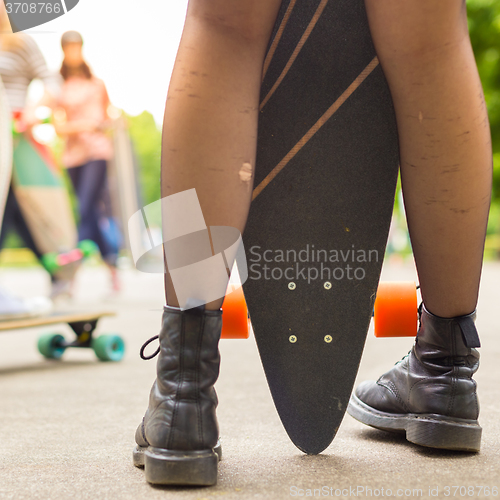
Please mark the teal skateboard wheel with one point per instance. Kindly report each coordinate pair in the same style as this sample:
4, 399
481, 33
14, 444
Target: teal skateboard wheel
51, 345
109, 347
88, 248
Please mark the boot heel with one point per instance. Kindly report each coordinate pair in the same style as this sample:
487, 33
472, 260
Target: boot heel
180, 467
437, 433
138, 454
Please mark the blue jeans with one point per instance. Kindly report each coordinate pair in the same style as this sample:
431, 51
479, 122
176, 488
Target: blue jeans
13, 220
90, 184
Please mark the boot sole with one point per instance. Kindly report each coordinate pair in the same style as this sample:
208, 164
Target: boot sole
431, 430
174, 467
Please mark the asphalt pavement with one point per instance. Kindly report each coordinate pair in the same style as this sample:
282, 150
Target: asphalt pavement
67, 427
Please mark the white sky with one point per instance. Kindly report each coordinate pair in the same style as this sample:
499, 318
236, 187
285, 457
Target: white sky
130, 44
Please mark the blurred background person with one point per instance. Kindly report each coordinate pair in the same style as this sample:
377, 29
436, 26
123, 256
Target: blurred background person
21, 61
81, 117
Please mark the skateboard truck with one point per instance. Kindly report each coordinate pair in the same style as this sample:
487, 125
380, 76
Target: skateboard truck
109, 347
84, 331
395, 311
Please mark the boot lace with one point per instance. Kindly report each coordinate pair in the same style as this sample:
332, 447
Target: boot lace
152, 339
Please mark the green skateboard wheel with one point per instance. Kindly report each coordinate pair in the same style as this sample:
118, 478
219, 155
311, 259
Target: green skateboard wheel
109, 347
88, 248
50, 345
49, 261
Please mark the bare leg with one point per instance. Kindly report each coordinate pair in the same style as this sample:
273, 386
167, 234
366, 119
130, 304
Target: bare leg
210, 123
445, 143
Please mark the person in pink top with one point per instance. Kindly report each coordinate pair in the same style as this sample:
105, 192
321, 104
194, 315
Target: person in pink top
81, 117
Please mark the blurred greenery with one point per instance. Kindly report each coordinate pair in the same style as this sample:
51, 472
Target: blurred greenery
484, 28
146, 138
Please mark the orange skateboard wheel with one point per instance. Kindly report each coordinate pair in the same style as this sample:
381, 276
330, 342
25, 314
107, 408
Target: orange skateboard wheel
234, 314
396, 310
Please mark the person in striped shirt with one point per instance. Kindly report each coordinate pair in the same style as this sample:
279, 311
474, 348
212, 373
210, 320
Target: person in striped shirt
21, 61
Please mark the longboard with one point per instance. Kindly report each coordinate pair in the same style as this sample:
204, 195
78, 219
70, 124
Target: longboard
5, 148
325, 180
52, 345
42, 195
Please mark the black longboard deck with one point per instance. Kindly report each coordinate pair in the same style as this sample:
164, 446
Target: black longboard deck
325, 179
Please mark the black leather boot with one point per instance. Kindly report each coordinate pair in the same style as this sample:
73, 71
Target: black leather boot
177, 441
430, 393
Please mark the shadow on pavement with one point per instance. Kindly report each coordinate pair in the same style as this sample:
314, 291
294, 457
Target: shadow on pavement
46, 366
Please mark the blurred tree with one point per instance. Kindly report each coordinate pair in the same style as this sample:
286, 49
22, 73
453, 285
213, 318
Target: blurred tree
147, 144
484, 28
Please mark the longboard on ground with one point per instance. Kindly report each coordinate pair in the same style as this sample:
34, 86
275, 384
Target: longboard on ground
325, 181
109, 347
